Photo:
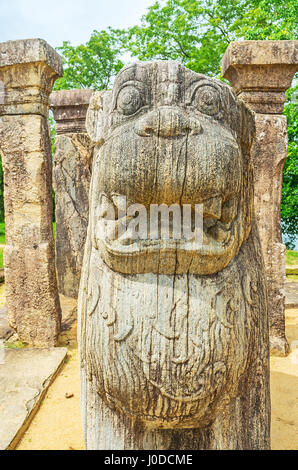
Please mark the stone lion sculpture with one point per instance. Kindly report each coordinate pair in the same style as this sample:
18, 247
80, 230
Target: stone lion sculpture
173, 333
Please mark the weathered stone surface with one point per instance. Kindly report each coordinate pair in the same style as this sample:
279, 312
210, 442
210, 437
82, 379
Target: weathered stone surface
28, 70
31, 286
70, 108
25, 375
270, 152
173, 334
5, 330
72, 173
291, 293
26, 51
260, 72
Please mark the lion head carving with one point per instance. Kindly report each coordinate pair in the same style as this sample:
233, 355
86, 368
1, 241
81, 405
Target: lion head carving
167, 324
171, 136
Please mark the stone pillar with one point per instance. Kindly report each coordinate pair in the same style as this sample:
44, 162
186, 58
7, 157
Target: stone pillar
28, 69
260, 72
72, 173
173, 330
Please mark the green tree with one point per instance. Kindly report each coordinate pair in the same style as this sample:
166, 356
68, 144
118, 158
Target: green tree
194, 32
289, 201
272, 19
197, 33
91, 65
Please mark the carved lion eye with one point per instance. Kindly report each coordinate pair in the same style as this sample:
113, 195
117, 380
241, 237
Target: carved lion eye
207, 100
129, 100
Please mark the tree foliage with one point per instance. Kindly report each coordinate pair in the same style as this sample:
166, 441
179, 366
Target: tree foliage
196, 33
289, 200
91, 65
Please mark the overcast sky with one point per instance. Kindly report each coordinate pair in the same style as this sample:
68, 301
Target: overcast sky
60, 20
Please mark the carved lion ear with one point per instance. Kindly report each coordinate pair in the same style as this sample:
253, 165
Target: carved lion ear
96, 118
247, 124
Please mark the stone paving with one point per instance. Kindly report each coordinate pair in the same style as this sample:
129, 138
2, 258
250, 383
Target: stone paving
25, 375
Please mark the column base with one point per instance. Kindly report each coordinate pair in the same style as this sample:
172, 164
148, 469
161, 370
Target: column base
279, 346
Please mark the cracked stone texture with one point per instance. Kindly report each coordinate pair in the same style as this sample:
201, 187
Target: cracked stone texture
28, 70
31, 289
70, 108
25, 375
72, 173
260, 72
173, 334
269, 151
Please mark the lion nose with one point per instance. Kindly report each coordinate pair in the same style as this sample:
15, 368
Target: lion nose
167, 122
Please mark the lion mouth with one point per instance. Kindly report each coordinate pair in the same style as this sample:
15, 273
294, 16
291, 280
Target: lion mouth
218, 233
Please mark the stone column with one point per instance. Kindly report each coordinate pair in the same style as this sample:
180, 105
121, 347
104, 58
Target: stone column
260, 72
28, 69
72, 173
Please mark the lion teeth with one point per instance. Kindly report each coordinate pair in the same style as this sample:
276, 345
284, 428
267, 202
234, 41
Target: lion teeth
212, 208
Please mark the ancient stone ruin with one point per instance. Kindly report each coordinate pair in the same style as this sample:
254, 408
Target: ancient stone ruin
173, 328
260, 72
28, 70
173, 332
71, 178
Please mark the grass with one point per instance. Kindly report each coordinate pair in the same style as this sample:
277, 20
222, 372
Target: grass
291, 257
291, 261
15, 345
